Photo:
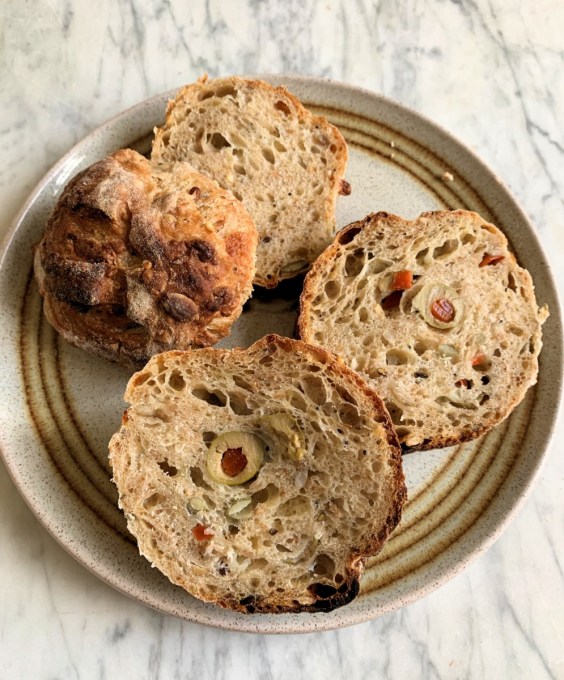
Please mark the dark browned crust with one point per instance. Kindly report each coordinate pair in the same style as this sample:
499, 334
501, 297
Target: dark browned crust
127, 267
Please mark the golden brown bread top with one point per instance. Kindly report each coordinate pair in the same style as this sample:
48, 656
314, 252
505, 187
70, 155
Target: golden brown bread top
138, 258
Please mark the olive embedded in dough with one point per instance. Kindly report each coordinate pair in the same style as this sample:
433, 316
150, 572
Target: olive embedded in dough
234, 457
441, 306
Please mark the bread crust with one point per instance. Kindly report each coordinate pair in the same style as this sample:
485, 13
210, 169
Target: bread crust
282, 583
138, 258
398, 351
284, 163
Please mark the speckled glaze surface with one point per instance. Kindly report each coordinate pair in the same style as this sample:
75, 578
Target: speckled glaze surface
63, 405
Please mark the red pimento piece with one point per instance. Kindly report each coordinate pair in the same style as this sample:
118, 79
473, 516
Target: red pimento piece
233, 462
462, 383
202, 532
443, 310
402, 280
478, 359
491, 259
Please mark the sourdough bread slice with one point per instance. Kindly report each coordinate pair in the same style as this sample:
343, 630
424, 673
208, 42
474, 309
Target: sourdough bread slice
138, 258
287, 526
284, 163
435, 313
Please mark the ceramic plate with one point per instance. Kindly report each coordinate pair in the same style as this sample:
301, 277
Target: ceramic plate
62, 405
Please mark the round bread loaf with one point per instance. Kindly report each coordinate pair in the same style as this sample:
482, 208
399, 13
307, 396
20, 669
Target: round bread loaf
435, 313
258, 479
139, 258
284, 163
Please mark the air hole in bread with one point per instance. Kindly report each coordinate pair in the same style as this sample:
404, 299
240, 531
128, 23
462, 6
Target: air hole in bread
279, 146
242, 383
332, 289
232, 529
296, 400
396, 413
350, 416
212, 398
267, 496
363, 315
167, 468
354, 264
239, 169
314, 389
153, 500
457, 403
483, 398
282, 107
295, 507
421, 256
511, 283
176, 381
197, 477
378, 265
266, 360
141, 378
322, 591
238, 405
268, 155
282, 548
218, 141
237, 194
323, 566
399, 357
497, 352
468, 237
347, 235
448, 247
516, 330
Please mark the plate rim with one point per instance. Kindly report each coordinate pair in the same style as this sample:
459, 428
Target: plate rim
367, 613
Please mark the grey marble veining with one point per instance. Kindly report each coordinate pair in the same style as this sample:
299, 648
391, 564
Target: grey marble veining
490, 72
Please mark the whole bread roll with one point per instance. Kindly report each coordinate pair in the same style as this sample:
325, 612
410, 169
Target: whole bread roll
435, 313
138, 258
285, 164
258, 479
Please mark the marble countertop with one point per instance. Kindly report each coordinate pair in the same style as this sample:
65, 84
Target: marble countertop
490, 72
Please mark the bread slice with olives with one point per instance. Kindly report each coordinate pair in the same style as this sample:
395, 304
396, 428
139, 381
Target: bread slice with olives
284, 163
259, 479
435, 313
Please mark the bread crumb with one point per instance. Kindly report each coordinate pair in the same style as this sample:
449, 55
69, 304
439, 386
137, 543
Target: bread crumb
447, 177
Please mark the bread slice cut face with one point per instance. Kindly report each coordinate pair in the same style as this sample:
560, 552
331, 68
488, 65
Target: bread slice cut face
138, 258
281, 161
258, 479
435, 313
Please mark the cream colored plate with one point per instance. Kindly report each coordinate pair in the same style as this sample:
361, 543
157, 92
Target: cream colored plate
61, 405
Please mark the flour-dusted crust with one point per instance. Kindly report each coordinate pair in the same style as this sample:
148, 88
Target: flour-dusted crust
138, 258
284, 163
311, 519
443, 385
